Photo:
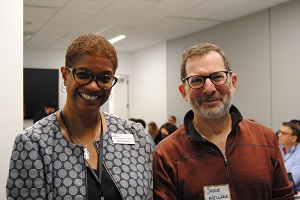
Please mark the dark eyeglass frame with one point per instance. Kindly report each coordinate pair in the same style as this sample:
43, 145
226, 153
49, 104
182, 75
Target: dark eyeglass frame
284, 133
93, 77
205, 77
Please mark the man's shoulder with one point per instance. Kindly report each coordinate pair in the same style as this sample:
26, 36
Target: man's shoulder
252, 127
252, 123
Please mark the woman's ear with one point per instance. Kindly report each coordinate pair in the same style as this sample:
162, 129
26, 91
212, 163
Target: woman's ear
64, 72
183, 92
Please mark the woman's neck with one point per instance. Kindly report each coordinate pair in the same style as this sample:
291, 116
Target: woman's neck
83, 119
81, 123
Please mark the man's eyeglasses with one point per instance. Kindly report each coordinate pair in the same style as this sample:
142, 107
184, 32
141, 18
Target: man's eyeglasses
198, 81
284, 133
84, 77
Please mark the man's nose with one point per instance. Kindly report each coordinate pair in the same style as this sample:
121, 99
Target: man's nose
208, 86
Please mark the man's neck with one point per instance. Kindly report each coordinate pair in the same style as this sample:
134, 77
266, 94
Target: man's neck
214, 130
212, 127
288, 148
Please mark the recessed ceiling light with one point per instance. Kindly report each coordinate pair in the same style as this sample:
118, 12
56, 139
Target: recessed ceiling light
116, 39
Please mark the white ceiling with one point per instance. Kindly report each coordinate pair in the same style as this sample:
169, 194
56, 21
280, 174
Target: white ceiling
55, 23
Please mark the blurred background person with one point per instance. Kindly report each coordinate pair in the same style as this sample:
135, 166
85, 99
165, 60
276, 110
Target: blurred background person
152, 129
288, 139
50, 108
141, 121
164, 131
172, 120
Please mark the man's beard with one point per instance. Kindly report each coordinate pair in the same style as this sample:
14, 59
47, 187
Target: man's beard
213, 112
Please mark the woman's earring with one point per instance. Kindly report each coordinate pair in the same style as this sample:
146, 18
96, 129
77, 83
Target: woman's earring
63, 88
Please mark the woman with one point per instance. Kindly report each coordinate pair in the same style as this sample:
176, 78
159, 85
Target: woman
165, 130
80, 152
152, 129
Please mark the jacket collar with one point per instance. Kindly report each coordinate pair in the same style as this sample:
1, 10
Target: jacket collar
191, 132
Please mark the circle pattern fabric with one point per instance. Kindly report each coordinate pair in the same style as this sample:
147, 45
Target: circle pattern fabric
45, 165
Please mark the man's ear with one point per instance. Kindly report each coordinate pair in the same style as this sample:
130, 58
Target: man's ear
183, 92
234, 80
295, 139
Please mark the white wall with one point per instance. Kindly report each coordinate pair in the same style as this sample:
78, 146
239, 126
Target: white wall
11, 87
285, 59
120, 94
147, 85
125, 63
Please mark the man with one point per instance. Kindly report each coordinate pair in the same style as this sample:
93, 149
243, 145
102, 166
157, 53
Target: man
172, 120
49, 109
217, 154
288, 138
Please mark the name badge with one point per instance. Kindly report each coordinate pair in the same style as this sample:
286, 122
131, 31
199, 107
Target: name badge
216, 192
122, 138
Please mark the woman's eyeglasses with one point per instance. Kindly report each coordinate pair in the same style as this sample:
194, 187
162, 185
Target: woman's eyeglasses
84, 77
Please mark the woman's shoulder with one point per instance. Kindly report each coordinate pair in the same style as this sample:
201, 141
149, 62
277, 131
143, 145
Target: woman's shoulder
45, 127
121, 123
113, 118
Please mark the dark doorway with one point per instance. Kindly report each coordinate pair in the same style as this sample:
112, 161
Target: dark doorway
40, 88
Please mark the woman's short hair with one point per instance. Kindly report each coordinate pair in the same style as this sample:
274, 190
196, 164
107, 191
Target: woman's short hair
90, 44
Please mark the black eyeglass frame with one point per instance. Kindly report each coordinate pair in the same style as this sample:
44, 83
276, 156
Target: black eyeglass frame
93, 77
284, 133
205, 77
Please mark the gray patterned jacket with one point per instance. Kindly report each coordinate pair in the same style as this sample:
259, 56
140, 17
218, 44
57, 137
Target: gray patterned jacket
44, 165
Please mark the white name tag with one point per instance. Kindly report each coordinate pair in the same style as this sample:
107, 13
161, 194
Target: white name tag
216, 192
122, 138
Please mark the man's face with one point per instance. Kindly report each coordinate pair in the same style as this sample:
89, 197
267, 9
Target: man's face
210, 101
286, 137
52, 110
171, 120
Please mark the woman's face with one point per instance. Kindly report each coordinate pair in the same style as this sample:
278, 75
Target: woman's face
150, 129
164, 131
89, 97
